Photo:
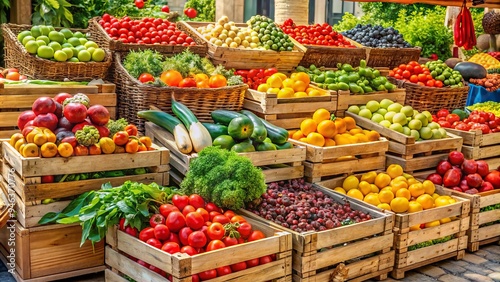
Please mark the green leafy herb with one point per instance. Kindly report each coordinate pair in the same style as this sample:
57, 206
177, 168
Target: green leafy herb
205, 10
146, 61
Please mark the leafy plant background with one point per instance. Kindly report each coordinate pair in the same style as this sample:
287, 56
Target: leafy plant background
205, 10
4, 17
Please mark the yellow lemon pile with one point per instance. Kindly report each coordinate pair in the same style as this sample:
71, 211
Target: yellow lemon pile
297, 85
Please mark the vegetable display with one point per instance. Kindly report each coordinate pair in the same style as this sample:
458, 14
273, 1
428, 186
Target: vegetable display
255, 77
317, 34
225, 178
491, 82
487, 122
358, 80
377, 36
489, 106
295, 86
463, 31
432, 74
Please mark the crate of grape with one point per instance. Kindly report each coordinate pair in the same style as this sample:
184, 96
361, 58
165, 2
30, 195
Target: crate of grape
285, 101
430, 222
265, 256
44, 52
415, 141
16, 98
386, 46
167, 43
338, 147
247, 46
349, 240
276, 164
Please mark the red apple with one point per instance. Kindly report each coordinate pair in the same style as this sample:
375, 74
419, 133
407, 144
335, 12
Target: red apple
469, 166
457, 189
61, 97
463, 184
435, 178
24, 118
474, 180
27, 129
451, 178
494, 178
456, 157
98, 114
443, 166
486, 186
472, 191
43, 105
48, 120
483, 168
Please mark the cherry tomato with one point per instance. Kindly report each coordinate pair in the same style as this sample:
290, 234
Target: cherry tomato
216, 231
189, 250
161, 232
239, 266
214, 245
265, 259
225, 270
194, 220
187, 209
212, 207
252, 262
146, 77
230, 241
229, 214
139, 3
245, 229
256, 235
156, 219
207, 275
184, 234
154, 242
131, 231
180, 201
165, 209
190, 13
146, 234
221, 218
165, 9
204, 213
196, 201
171, 247
197, 239
175, 221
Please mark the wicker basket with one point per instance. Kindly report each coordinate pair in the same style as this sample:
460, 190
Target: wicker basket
16, 56
432, 99
247, 58
391, 57
103, 39
329, 57
134, 96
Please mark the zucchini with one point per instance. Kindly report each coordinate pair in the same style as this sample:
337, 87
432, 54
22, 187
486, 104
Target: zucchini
259, 130
172, 125
199, 134
277, 134
286, 145
215, 130
224, 116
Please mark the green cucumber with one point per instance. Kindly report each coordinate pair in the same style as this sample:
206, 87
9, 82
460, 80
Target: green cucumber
183, 113
215, 130
277, 134
259, 130
224, 116
286, 145
266, 147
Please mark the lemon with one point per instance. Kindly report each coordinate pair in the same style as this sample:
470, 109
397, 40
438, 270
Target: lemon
372, 199
369, 177
355, 193
351, 182
414, 207
400, 204
263, 87
432, 224
384, 206
340, 190
365, 187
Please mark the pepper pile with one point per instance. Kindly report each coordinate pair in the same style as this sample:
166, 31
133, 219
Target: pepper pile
463, 31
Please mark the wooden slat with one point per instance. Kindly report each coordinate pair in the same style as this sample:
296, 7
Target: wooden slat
450, 142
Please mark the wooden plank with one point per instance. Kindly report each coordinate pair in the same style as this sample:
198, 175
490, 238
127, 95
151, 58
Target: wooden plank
427, 234
416, 164
450, 142
110, 276
489, 232
319, 170
477, 153
20, 11
424, 254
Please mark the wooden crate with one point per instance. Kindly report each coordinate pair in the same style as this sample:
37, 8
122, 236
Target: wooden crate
49, 253
17, 98
404, 237
412, 155
477, 145
345, 99
182, 266
322, 163
365, 248
276, 165
287, 113
23, 176
239, 58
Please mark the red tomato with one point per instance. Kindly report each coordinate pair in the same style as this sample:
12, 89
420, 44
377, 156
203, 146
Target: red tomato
451, 118
406, 74
173, 238
143, 263
194, 220
430, 83
131, 231
245, 229
180, 201
146, 77
204, 213
139, 3
161, 232
265, 259
216, 231
165, 9
229, 214
444, 123
165, 209
190, 13
442, 113
252, 262
131, 130
414, 78
186, 82
187, 209
225, 270
402, 67
230, 241
422, 77
171, 247
189, 250
270, 71
207, 275
214, 245
156, 219
196, 201
197, 239
146, 234
154, 242
221, 218
122, 224
212, 207
194, 278
106, 17
417, 69
48, 179
239, 266
438, 83
213, 214
175, 221
256, 235
238, 218
157, 270
184, 234
204, 229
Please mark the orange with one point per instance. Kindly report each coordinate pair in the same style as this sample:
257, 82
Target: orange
285, 93
299, 86
400, 204
291, 132
396, 185
340, 190
327, 128
301, 76
280, 75
372, 199
288, 82
441, 201
321, 115
384, 206
65, 149
299, 94
200, 77
414, 207
14, 138
49, 150
369, 176
374, 188
275, 81
429, 187
394, 170
263, 87
303, 139
314, 92
350, 182
350, 123
40, 139
356, 131
307, 126
340, 124
365, 188
297, 135
426, 201
385, 196
403, 193
432, 224
171, 77
373, 135
382, 180
355, 193
341, 139
361, 137
316, 139
329, 142
30, 150
416, 189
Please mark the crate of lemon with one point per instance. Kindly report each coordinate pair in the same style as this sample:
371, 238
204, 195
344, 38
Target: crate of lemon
286, 101
415, 141
430, 222
337, 146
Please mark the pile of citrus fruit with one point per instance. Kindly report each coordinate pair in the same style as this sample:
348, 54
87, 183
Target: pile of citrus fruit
324, 130
297, 85
396, 191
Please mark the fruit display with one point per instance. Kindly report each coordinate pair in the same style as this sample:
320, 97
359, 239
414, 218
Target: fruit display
261, 33
181, 70
487, 122
316, 34
358, 80
67, 125
324, 129
463, 30
255, 77
489, 106
64, 45
377, 36
11, 74
491, 82
486, 60
297, 85
301, 207
403, 119
432, 74
145, 31
495, 55
462, 175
